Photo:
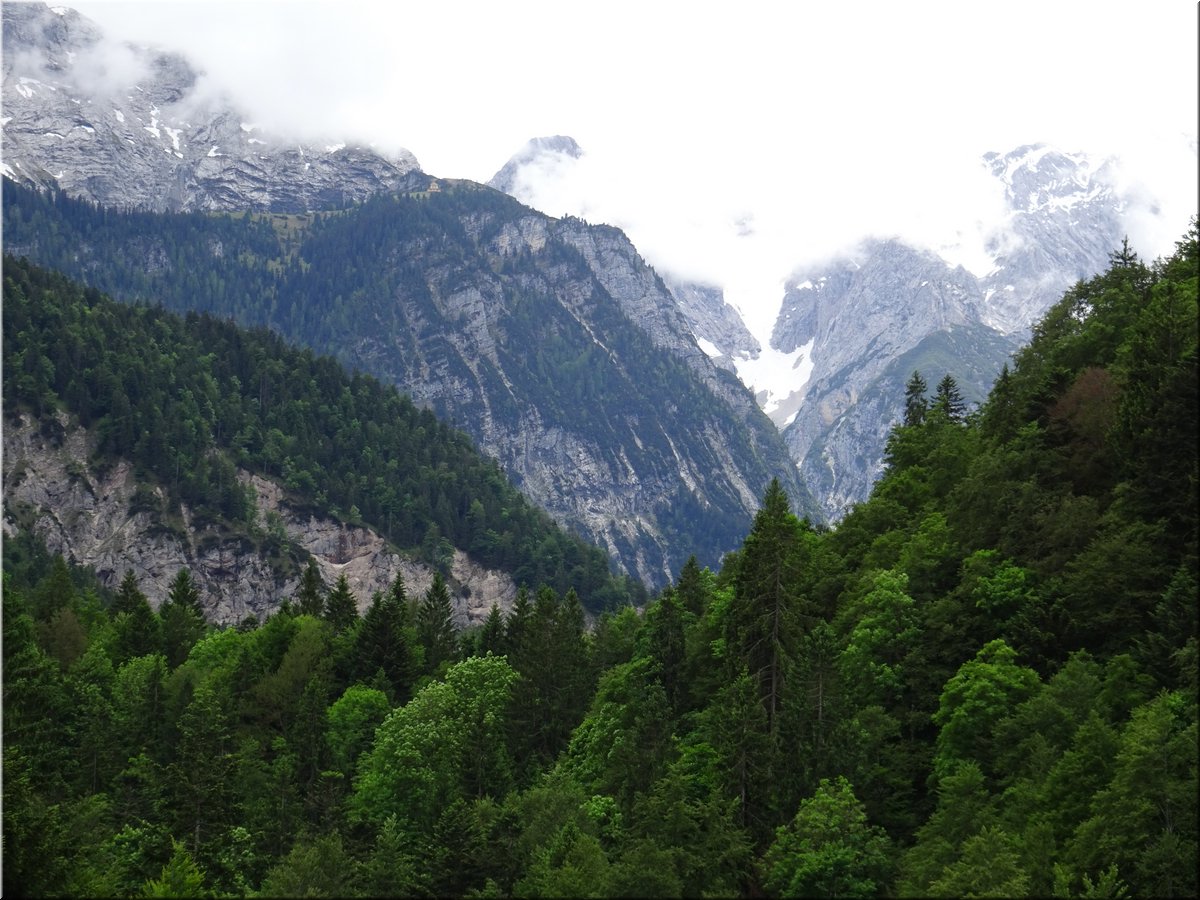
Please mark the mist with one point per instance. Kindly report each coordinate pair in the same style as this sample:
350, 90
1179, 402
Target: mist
734, 145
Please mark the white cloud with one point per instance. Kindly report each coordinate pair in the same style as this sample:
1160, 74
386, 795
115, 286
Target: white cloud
806, 125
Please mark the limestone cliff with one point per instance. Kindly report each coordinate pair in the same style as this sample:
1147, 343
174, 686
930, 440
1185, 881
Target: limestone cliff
112, 522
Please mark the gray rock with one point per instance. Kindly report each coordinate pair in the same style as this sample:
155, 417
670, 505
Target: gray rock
96, 519
126, 126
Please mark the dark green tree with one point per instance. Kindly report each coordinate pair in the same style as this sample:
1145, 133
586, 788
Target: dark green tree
915, 402
341, 608
948, 400
435, 625
310, 594
386, 641
184, 592
764, 619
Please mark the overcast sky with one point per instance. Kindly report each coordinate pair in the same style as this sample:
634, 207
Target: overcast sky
730, 140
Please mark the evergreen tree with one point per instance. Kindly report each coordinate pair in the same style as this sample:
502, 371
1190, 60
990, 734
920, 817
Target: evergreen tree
435, 625
386, 642
137, 628
129, 596
948, 400
341, 609
491, 636
184, 592
915, 402
310, 599
764, 617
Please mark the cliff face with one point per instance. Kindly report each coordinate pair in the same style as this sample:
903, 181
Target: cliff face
112, 522
566, 358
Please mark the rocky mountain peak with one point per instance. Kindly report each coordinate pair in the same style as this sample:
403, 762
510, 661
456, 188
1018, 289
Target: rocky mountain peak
538, 152
124, 125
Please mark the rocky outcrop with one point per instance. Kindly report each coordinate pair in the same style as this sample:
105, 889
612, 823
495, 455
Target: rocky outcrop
112, 522
1064, 221
544, 153
127, 126
627, 450
718, 327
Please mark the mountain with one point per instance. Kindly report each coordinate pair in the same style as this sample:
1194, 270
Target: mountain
516, 327
869, 320
868, 323
538, 153
136, 440
1064, 221
832, 371
550, 341
131, 126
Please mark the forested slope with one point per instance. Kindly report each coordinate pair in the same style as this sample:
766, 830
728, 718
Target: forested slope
549, 341
981, 683
191, 400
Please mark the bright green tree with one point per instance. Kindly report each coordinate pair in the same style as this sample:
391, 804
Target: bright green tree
829, 849
180, 877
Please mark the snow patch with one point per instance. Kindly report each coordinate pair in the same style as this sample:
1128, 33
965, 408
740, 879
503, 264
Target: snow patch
174, 135
59, 10
213, 151
120, 115
7, 171
4, 120
24, 90
708, 346
774, 376
334, 148
255, 141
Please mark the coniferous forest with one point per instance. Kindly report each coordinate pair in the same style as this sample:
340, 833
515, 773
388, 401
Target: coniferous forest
981, 682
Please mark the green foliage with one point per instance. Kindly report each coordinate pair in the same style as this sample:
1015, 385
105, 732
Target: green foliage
445, 743
181, 877
997, 650
829, 849
981, 694
353, 719
188, 400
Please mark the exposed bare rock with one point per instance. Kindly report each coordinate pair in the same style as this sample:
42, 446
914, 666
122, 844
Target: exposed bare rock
97, 519
132, 126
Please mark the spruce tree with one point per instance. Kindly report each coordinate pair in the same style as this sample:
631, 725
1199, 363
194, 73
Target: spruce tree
762, 624
310, 599
435, 625
341, 608
184, 592
385, 641
948, 400
915, 403
491, 636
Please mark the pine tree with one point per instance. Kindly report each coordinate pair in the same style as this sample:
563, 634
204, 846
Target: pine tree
129, 595
341, 609
915, 403
435, 625
138, 629
948, 400
385, 641
762, 621
184, 592
491, 636
309, 595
